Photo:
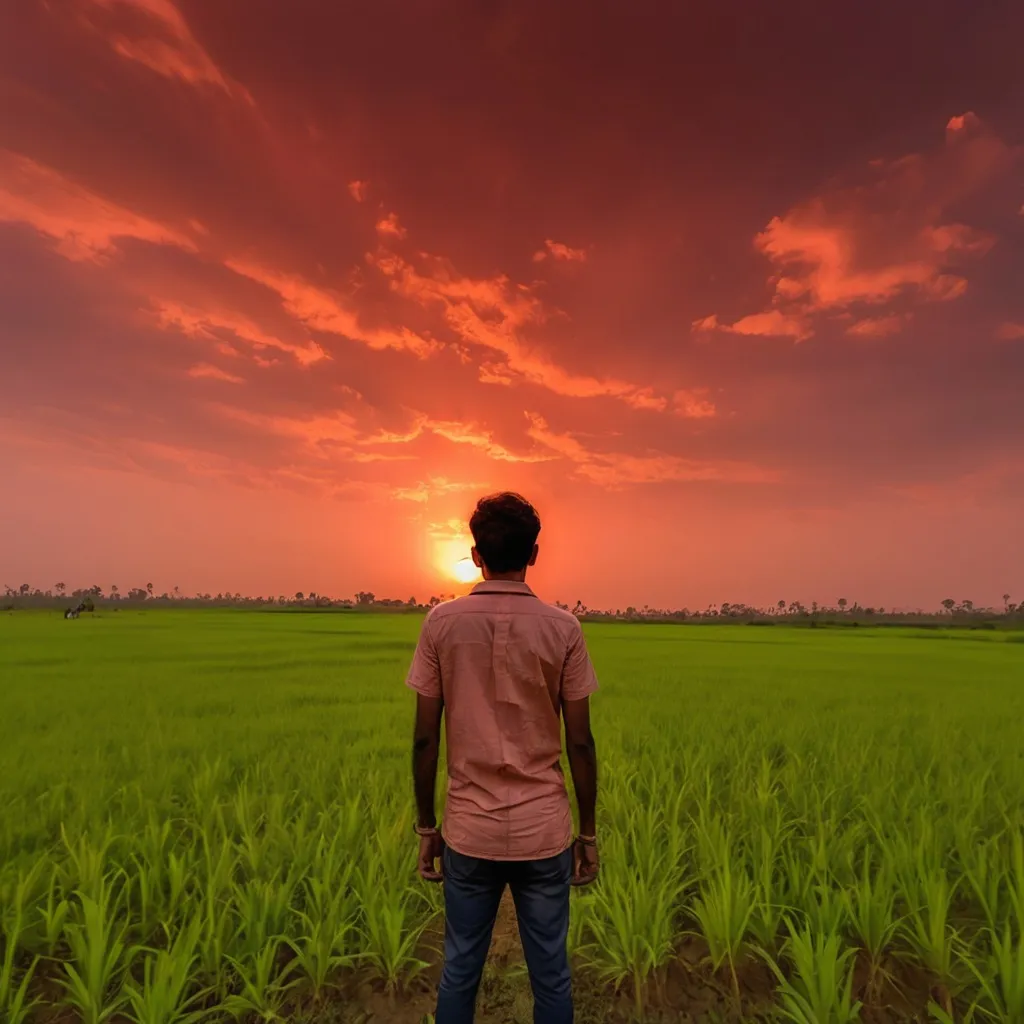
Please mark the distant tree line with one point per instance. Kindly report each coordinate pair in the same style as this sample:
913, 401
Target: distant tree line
91, 598
843, 612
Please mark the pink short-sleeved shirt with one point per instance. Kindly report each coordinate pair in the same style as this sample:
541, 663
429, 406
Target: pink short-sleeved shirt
503, 661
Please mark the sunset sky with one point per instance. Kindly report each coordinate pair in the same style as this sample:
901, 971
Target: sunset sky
733, 291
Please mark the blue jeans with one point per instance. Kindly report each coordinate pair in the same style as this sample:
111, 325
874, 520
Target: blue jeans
472, 892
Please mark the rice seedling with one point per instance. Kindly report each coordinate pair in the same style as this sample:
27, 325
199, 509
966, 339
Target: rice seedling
929, 931
1015, 883
983, 870
53, 913
1000, 978
327, 939
390, 930
765, 846
631, 918
262, 910
15, 1005
262, 985
820, 989
723, 908
167, 993
871, 913
96, 938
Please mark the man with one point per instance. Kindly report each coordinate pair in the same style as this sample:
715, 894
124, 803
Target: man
503, 668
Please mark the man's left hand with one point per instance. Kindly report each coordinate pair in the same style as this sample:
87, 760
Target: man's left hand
429, 866
586, 863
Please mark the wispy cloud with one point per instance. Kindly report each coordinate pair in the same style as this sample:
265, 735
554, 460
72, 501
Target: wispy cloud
618, 469
1010, 331
438, 486
158, 37
877, 326
497, 315
389, 227
217, 325
773, 323
457, 432
323, 309
84, 225
211, 372
560, 251
694, 404
481, 439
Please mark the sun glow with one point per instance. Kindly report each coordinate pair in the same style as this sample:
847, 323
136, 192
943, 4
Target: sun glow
465, 571
451, 557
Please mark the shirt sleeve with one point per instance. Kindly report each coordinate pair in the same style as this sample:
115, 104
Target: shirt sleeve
579, 679
425, 671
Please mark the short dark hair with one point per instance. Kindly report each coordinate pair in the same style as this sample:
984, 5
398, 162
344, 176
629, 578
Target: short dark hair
504, 528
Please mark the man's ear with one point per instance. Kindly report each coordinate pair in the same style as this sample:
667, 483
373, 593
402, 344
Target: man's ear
477, 560
533, 555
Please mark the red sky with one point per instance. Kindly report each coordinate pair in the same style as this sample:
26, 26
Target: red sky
734, 292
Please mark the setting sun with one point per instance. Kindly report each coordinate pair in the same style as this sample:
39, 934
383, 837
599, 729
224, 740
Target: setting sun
451, 554
465, 571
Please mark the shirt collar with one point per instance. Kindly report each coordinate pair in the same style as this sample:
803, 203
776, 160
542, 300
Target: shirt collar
502, 587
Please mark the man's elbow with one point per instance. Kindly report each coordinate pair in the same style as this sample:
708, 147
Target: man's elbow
582, 745
425, 746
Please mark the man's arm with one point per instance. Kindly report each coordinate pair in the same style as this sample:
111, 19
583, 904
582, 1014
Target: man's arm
425, 678
582, 753
425, 748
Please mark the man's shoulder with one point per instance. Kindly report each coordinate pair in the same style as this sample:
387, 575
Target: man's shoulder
446, 608
561, 615
529, 604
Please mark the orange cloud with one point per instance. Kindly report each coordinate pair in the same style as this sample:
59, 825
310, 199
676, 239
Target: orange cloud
820, 259
357, 189
773, 323
389, 227
618, 469
208, 370
84, 225
483, 440
494, 314
694, 404
877, 327
212, 325
871, 241
560, 251
458, 432
164, 43
707, 323
330, 433
1010, 331
339, 434
425, 491
321, 478
321, 309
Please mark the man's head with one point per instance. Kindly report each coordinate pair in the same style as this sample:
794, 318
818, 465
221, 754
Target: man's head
504, 528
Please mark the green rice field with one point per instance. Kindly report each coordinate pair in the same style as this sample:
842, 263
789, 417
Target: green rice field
206, 815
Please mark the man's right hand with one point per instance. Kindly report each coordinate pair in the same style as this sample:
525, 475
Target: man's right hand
585, 862
430, 858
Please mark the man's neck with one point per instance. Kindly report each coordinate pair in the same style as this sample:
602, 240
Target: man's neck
505, 577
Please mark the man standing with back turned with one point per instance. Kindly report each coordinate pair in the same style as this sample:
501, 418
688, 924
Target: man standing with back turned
503, 668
